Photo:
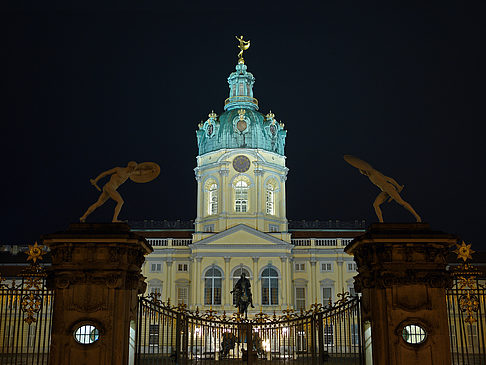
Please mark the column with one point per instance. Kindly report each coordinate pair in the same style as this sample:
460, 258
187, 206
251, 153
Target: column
223, 208
228, 285
314, 284
96, 277
403, 279
170, 282
255, 283
197, 283
200, 198
192, 288
259, 199
341, 285
289, 281
283, 283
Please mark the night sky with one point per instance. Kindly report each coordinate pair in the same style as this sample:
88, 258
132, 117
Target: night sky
88, 87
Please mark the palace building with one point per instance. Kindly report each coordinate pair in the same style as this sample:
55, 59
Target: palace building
241, 222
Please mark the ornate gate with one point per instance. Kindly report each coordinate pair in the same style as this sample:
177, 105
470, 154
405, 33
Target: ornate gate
466, 302
168, 334
25, 315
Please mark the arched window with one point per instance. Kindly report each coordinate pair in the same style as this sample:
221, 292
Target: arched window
212, 286
269, 286
237, 275
241, 196
213, 199
270, 200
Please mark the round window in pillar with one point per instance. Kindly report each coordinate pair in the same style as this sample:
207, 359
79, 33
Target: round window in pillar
414, 334
86, 334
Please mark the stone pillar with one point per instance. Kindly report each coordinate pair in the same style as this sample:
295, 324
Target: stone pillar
402, 277
96, 277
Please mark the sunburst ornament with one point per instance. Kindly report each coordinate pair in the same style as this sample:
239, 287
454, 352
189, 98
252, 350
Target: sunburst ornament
35, 252
464, 251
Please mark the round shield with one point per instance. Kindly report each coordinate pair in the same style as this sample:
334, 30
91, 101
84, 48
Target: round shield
358, 163
145, 172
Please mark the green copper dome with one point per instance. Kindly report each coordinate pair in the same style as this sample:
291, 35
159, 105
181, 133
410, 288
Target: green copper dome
241, 125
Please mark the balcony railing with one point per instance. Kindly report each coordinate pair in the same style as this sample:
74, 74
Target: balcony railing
327, 242
241, 99
169, 242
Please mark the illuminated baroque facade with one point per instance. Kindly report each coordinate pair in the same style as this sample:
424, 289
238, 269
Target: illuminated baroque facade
241, 223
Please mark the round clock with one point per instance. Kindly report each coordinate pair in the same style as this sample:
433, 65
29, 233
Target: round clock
241, 163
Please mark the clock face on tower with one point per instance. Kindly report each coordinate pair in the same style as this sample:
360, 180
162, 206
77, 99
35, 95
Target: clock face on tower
241, 163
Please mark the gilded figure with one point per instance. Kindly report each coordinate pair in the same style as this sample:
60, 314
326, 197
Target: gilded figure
243, 46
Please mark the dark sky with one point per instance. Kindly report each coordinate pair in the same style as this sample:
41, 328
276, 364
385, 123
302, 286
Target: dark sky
88, 87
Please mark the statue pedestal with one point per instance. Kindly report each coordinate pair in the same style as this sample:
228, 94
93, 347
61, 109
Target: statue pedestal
402, 278
96, 277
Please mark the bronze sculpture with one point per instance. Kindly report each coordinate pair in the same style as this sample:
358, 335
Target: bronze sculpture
242, 293
390, 189
141, 173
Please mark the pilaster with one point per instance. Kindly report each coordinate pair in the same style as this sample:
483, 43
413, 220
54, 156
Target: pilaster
255, 283
227, 302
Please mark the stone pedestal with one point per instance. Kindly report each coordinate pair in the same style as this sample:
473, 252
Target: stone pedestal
96, 277
402, 278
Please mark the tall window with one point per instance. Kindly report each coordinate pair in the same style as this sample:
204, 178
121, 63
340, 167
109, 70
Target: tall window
237, 275
182, 295
354, 334
328, 335
326, 296
213, 199
153, 335
300, 298
241, 196
269, 286
212, 286
270, 199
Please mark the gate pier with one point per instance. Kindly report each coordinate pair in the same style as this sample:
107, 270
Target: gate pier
96, 277
402, 277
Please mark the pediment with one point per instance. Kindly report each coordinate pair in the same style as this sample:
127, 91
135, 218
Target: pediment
241, 235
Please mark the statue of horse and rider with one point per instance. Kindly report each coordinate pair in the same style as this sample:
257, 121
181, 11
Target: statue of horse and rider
242, 295
243, 298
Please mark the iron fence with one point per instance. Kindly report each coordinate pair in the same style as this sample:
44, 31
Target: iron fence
25, 315
466, 303
168, 335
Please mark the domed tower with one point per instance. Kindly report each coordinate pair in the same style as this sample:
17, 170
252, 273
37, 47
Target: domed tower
241, 169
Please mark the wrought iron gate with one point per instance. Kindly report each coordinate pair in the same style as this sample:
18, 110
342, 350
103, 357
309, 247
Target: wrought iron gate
25, 315
466, 302
168, 334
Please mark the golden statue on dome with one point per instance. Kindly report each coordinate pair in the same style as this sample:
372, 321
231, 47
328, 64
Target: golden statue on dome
243, 46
